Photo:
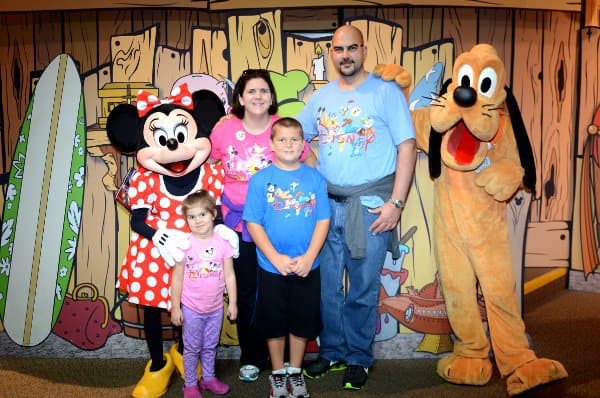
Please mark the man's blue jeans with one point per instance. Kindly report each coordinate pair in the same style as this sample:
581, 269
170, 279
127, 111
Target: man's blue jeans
349, 320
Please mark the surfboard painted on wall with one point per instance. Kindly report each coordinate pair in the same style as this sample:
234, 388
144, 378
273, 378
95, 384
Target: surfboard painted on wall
42, 208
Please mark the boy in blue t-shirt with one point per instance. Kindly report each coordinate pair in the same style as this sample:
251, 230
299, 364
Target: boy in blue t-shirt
287, 214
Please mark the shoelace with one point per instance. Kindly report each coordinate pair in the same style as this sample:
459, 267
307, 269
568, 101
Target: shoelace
278, 381
296, 380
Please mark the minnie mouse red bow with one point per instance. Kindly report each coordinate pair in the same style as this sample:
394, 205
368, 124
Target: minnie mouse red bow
180, 95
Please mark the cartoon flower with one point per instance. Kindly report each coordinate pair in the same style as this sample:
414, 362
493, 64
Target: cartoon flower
4, 266
62, 272
11, 192
79, 177
7, 228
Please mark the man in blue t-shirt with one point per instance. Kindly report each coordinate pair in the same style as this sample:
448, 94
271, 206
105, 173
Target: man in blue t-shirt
366, 152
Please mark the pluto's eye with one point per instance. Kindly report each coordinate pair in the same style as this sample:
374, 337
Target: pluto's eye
465, 75
487, 82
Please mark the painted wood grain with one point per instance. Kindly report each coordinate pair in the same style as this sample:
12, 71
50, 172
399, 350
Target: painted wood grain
32, 5
495, 27
383, 40
591, 13
96, 248
423, 26
133, 56
559, 71
396, 15
208, 48
111, 23
171, 64
16, 62
179, 27
589, 90
321, 19
461, 25
81, 38
301, 51
527, 86
144, 19
547, 244
47, 35
255, 41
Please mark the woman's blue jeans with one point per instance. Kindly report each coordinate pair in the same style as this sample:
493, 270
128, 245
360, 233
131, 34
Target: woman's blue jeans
349, 320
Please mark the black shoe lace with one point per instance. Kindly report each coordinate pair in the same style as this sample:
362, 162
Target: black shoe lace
296, 380
278, 381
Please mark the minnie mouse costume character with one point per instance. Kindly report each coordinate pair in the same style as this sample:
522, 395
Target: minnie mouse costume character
170, 140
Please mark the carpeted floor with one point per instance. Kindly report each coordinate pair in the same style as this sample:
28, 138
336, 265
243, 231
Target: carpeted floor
563, 325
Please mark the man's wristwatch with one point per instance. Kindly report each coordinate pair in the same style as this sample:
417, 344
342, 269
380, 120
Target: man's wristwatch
398, 204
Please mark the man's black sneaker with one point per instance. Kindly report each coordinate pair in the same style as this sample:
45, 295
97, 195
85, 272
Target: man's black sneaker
318, 368
355, 377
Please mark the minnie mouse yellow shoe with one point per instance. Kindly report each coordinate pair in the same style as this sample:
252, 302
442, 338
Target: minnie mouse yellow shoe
154, 384
178, 361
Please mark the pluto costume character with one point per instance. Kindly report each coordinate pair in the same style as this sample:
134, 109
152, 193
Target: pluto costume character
479, 156
170, 140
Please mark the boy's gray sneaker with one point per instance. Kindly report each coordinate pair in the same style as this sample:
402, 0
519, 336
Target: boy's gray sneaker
296, 386
318, 368
278, 386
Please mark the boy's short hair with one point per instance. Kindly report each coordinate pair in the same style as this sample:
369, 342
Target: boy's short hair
201, 198
289, 122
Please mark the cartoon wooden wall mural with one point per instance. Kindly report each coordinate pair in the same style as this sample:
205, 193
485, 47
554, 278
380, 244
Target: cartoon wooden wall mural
101, 57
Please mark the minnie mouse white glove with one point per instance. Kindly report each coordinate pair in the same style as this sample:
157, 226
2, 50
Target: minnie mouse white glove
230, 236
170, 244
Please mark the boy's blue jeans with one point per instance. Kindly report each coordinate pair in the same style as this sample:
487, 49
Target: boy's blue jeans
349, 321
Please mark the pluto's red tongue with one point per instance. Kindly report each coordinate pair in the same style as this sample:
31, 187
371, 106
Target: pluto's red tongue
177, 167
462, 145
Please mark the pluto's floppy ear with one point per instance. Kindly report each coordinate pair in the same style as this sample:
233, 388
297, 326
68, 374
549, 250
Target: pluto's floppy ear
523, 144
435, 144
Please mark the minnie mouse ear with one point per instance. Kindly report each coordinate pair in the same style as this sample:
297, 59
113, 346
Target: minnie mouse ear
208, 109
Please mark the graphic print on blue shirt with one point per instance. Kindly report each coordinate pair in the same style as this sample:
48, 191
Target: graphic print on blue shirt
292, 200
348, 126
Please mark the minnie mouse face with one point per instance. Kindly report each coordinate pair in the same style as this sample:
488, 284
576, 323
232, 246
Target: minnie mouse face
169, 137
174, 147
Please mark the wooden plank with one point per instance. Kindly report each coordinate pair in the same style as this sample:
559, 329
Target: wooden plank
383, 40
144, 19
547, 244
17, 54
321, 19
133, 56
495, 27
81, 38
208, 47
110, 23
255, 41
303, 52
96, 251
527, 86
461, 25
559, 71
589, 91
423, 26
420, 60
47, 35
592, 13
222, 5
179, 28
170, 65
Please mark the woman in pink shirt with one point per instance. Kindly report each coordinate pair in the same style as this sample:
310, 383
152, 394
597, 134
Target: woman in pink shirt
241, 143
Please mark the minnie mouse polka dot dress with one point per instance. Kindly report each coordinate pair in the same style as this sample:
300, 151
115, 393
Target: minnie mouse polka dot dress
144, 274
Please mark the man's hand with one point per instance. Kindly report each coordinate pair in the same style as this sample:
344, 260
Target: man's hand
389, 216
230, 236
170, 244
